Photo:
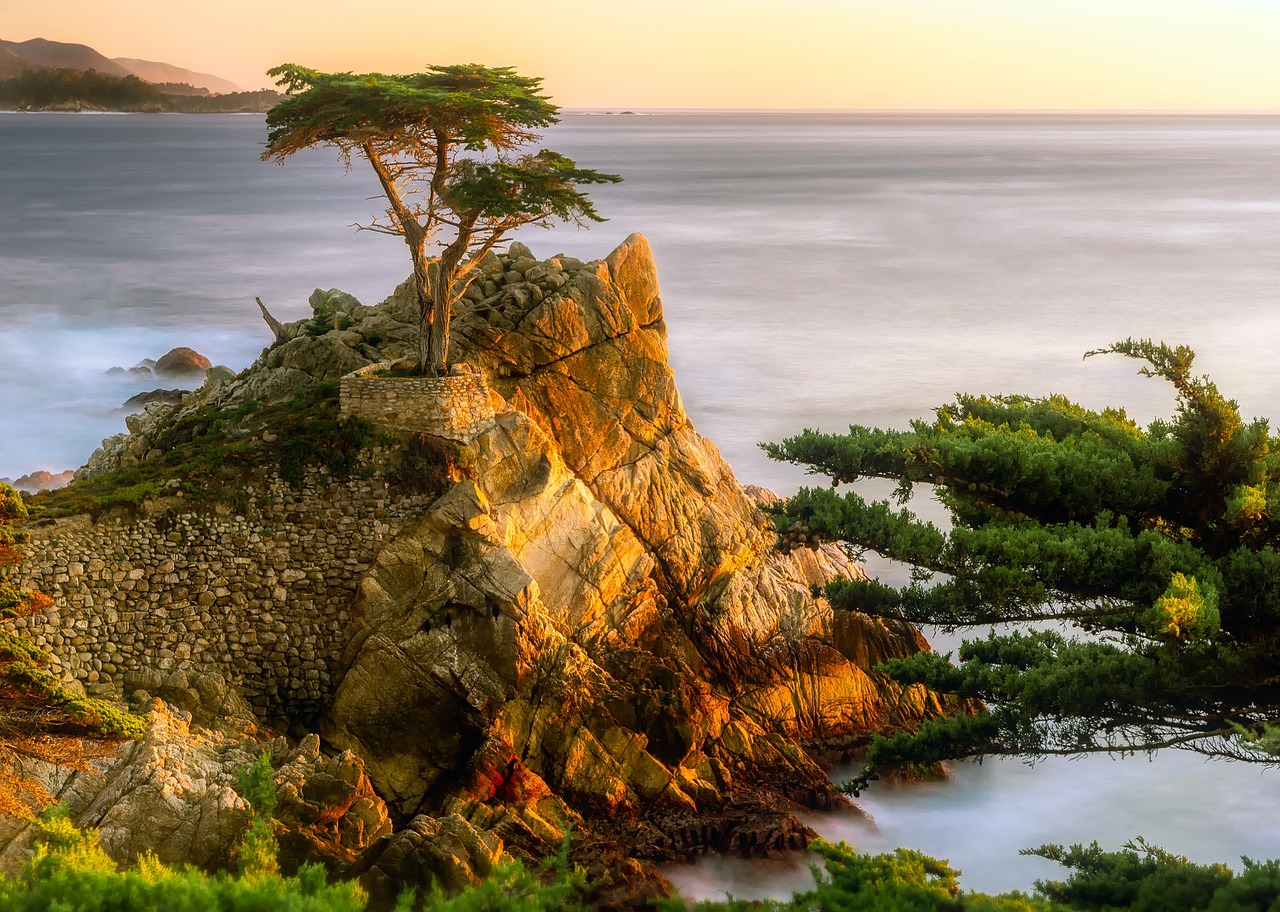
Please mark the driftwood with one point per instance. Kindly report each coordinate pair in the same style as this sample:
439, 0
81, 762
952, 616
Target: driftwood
282, 334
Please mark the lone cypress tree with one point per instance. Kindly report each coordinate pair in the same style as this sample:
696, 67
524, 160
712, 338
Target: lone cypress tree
449, 148
1139, 567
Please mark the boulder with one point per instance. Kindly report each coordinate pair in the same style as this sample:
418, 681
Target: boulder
326, 357
182, 362
445, 853
219, 373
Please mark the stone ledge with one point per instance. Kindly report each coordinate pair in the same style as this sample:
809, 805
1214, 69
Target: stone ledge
456, 406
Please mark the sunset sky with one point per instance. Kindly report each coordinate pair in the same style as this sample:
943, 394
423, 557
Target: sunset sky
897, 54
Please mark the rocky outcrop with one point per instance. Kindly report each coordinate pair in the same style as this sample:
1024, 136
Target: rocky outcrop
599, 615
590, 625
175, 793
40, 481
163, 396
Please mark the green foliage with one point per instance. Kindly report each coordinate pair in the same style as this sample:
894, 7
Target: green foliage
428, 465
205, 456
70, 872
448, 148
1144, 878
257, 855
1160, 544
47, 87
24, 669
12, 506
1187, 610
1140, 878
126, 489
900, 881
313, 432
10, 596
40, 719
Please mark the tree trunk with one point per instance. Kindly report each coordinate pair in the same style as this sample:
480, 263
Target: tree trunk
437, 349
426, 313
436, 353
281, 334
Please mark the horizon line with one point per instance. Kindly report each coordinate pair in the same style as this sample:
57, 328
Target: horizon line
881, 112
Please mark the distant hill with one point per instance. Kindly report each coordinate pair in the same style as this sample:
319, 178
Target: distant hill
39, 53
17, 57
45, 89
161, 73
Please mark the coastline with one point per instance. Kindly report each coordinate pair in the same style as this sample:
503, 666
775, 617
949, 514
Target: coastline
106, 111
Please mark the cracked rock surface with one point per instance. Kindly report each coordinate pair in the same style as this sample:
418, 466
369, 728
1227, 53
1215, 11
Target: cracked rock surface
595, 626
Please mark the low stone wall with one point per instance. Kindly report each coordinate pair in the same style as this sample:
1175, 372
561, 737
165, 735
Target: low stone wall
262, 598
456, 406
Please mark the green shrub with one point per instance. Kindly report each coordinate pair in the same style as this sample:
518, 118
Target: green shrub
70, 872
12, 507
427, 465
257, 854
900, 881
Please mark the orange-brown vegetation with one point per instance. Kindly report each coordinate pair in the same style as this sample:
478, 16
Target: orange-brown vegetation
40, 720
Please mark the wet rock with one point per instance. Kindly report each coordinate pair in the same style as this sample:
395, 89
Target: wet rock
163, 396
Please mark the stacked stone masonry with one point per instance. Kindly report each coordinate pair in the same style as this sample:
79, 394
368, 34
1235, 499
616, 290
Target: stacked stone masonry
456, 406
260, 598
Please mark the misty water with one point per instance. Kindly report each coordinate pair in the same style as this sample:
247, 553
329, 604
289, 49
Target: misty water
817, 270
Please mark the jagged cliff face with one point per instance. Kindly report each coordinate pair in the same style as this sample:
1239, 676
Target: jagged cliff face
591, 623
599, 616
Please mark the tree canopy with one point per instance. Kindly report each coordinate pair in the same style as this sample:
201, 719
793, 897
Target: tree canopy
1139, 567
450, 149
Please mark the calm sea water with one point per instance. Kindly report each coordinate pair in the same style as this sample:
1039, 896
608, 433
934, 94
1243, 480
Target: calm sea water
816, 271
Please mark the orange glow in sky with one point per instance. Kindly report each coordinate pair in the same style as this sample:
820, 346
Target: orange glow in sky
896, 54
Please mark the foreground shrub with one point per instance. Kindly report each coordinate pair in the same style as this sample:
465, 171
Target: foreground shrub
70, 872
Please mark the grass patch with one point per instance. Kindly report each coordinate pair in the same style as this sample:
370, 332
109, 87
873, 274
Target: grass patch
209, 455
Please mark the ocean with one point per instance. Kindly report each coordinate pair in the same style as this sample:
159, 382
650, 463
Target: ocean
817, 270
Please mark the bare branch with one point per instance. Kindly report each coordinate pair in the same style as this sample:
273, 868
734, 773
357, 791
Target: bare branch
277, 328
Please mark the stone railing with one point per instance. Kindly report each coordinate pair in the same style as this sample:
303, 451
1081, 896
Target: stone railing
456, 406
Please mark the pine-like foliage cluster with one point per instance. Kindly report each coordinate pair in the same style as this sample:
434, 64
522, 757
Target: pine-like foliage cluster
1139, 878
1139, 565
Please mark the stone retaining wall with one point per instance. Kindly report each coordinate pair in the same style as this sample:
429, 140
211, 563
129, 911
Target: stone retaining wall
262, 599
456, 406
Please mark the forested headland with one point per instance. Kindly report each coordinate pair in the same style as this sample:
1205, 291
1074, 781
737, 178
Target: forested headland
89, 90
